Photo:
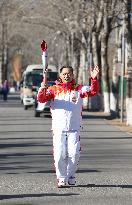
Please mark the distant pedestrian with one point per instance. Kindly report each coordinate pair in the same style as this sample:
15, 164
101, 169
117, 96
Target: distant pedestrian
66, 106
5, 90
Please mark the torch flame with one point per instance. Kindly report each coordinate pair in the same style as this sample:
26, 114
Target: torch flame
44, 46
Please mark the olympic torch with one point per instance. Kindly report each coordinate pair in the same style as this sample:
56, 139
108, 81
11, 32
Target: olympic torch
44, 61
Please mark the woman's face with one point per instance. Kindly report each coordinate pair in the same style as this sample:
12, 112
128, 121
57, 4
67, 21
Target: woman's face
66, 75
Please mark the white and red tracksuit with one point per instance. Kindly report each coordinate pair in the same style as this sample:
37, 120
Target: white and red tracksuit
66, 107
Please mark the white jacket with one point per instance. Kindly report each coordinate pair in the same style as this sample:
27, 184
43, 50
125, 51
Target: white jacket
66, 103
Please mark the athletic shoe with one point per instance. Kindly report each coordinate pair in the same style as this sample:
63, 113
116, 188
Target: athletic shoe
71, 181
61, 183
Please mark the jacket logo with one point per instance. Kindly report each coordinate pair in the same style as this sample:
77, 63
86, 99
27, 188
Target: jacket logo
74, 99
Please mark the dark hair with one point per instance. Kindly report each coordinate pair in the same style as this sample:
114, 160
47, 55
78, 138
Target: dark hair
69, 67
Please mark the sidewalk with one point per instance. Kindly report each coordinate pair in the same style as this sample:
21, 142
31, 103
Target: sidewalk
116, 122
27, 176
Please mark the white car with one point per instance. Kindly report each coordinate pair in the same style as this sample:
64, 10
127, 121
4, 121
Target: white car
27, 96
42, 108
28, 101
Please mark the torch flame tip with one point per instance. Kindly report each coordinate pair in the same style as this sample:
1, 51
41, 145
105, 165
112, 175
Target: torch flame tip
43, 45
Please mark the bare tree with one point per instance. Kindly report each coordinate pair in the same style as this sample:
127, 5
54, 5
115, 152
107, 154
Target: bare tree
105, 18
73, 29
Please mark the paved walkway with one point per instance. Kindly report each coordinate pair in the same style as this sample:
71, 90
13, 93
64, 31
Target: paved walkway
115, 122
27, 176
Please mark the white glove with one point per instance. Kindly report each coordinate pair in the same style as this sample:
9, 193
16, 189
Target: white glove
85, 88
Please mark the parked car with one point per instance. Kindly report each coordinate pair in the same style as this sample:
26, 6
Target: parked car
42, 108
30, 83
31, 79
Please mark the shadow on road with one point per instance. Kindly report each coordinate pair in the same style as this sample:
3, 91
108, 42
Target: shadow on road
88, 116
3, 146
78, 171
87, 170
98, 115
18, 196
123, 186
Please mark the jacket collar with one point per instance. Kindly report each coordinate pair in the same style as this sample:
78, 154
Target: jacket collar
68, 85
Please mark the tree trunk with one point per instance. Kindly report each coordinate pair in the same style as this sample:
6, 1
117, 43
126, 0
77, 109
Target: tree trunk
114, 98
95, 48
114, 90
129, 101
105, 77
82, 62
128, 24
82, 65
68, 52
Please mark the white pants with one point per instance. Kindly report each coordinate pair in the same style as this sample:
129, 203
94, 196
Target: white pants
66, 147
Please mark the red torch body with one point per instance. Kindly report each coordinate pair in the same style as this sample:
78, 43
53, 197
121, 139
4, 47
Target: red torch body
44, 61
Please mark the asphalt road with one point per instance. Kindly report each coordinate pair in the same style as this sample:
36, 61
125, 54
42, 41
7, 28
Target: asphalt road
27, 176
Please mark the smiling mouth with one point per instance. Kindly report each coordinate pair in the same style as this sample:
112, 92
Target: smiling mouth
67, 79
